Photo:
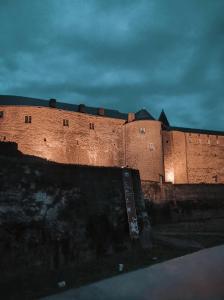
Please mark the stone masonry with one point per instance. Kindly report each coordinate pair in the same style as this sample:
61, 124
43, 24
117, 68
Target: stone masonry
83, 135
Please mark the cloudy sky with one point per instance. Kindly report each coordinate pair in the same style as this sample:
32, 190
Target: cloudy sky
125, 55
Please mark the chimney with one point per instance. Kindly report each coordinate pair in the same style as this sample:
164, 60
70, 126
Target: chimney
82, 108
52, 103
101, 111
131, 117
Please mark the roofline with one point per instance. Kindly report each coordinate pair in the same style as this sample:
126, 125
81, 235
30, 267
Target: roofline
109, 113
195, 130
137, 120
11, 100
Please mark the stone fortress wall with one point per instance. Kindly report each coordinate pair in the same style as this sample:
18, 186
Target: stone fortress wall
193, 157
48, 137
86, 139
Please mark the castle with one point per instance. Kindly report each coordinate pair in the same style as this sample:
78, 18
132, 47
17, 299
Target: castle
78, 134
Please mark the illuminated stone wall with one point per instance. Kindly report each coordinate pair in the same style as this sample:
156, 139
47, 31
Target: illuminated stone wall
193, 158
174, 157
143, 148
112, 142
46, 136
102, 141
205, 158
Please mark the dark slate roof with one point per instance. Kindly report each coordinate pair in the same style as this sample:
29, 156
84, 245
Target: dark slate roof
143, 114
193, 130
163, 118
23, 101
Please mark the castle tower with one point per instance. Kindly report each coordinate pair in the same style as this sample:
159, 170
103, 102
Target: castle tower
143, 146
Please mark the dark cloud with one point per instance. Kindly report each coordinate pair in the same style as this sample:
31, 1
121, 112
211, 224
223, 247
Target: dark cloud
118, 54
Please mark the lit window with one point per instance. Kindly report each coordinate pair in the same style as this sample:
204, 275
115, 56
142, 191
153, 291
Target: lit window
91, 126
142, 130
28, 119
65, 122
1, 114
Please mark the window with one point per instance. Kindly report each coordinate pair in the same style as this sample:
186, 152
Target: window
215, 178
142, 130
28, 119
217, 139
1, 114
91, 126
65, 122
151, 147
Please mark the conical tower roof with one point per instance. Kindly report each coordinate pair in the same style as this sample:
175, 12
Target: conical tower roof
163, 119
143, 114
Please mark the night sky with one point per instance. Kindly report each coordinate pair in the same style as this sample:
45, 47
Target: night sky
125, 55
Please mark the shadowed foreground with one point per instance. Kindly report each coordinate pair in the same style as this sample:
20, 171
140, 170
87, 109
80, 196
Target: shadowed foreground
195, 277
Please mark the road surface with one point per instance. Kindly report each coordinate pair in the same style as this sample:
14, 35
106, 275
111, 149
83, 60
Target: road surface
198, 276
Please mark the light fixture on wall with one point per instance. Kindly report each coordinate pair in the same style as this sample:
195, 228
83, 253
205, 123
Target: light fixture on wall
169, 175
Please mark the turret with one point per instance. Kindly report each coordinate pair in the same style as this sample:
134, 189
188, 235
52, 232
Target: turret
143, 145
163, 119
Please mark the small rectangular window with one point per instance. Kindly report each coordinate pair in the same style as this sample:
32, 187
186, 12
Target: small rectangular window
91, 126
28, 119
151, 147
217, 139
215, 178
65, 122
142, 130
1, 114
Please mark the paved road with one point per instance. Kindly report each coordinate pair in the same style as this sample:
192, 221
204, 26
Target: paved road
198, 276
